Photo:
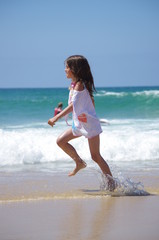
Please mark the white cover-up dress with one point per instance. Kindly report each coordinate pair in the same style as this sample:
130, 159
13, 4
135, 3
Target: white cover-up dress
85, 121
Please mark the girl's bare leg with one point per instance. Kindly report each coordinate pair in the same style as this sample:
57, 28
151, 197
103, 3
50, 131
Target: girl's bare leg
94, 144
62, 142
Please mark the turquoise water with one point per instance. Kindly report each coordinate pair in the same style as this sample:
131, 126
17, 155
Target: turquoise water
131, 137
136, 102
20, 106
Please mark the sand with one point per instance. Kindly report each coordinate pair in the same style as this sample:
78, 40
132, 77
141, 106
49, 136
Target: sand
74, 209
111, 218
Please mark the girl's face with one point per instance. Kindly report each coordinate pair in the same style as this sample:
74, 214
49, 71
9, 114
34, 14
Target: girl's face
68, 72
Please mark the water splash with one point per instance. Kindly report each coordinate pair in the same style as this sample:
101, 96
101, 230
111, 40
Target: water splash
122, 186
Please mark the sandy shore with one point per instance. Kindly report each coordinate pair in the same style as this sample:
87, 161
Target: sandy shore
99, 218
54, 207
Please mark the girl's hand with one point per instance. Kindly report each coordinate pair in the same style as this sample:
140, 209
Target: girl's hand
52, 121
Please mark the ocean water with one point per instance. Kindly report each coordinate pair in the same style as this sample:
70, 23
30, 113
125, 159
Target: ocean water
129, 142
131, 138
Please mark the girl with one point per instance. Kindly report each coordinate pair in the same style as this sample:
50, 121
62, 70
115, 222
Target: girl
85, 121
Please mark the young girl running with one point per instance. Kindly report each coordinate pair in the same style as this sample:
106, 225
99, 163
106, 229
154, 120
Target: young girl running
85, 122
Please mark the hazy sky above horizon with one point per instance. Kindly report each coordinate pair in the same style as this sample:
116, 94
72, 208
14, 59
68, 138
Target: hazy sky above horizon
120, 39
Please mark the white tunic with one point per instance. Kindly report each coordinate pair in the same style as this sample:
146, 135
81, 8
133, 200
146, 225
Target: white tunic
85, 121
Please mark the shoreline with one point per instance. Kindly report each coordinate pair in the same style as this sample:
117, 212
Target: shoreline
53, 206
111, 218
37, 186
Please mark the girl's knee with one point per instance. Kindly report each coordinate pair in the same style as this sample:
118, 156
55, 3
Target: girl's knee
95, 157
59, 142
64, 138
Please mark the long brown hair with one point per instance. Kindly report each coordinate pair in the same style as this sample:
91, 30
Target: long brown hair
80, 68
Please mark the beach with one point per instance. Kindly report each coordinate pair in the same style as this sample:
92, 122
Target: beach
37, 198
106, 218
58, 207
109, 48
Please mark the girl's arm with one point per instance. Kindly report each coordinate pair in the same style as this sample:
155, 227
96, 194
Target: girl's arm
64, 112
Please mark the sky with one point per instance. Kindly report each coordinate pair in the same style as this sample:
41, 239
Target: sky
120, 39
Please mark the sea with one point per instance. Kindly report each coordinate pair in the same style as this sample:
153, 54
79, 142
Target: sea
129, 141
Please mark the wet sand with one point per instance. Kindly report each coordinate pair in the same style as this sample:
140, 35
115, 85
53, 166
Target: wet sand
111, 218
56, 207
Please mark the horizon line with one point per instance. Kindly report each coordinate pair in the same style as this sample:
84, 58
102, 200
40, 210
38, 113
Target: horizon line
68, 86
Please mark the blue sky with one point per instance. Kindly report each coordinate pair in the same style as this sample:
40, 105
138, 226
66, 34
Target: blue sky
119, 38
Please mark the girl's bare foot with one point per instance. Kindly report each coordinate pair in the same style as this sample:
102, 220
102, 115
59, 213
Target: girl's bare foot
112, 184
78, 167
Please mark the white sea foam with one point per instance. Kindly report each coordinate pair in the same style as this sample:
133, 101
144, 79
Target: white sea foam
105, 93
28, 125
154, 93
133, 141
130, 143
